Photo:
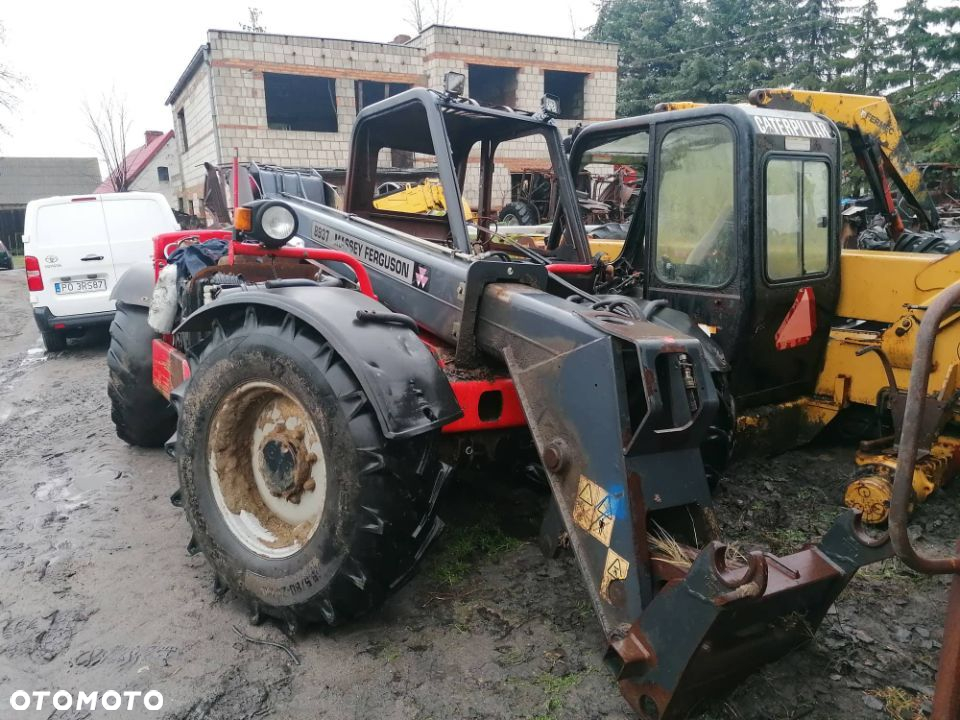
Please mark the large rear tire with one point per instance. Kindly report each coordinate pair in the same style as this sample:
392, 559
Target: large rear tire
142, 416
519, 212
295, 497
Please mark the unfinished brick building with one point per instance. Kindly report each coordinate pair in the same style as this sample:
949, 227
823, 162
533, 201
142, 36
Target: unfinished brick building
292, 100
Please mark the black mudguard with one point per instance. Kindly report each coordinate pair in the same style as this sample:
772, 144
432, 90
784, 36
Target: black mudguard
135, 286
400, 376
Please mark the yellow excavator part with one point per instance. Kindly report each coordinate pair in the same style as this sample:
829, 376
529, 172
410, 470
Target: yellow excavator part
882, 301
872, 485
679, 105
887, 293
424, 198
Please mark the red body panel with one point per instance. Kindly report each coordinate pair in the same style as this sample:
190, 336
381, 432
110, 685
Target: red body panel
471, 393
486, 404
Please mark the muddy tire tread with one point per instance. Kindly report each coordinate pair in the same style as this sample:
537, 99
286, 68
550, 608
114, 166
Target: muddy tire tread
392, 501
141, 415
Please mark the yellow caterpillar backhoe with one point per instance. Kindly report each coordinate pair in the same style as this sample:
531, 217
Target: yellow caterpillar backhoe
809, 330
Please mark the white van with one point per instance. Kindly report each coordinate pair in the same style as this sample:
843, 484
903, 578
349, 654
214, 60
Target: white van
77, 247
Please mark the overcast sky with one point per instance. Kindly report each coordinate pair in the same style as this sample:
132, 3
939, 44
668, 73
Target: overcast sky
74, 52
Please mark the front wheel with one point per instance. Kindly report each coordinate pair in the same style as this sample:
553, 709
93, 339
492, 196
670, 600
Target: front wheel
142, 416
54, 341
299, 503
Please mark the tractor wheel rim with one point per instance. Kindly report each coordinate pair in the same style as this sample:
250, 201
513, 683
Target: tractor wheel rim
509, 219
267, 469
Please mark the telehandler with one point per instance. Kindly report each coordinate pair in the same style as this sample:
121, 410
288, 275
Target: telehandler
325, 394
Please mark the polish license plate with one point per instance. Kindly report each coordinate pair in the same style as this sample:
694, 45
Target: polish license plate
73, 287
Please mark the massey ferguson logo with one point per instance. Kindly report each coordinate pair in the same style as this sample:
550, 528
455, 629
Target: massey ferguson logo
421, 276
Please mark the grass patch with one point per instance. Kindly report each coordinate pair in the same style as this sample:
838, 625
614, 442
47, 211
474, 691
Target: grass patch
784, 541
461, 548
555, 690
892, 570
17, 261
900, 704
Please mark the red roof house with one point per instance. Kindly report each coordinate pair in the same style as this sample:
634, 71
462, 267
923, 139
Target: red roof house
137, 160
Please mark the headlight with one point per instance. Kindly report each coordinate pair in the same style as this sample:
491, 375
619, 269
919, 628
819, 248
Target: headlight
454, 83
274, 223
550, 105
278, 222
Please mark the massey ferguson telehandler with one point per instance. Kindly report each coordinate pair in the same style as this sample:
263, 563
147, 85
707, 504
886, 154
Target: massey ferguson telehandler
326, 389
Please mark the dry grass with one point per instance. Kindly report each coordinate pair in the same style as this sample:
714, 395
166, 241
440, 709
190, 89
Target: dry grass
900, 704
665, 547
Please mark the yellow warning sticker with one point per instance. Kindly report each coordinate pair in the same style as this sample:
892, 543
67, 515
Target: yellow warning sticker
614, 568
593, 510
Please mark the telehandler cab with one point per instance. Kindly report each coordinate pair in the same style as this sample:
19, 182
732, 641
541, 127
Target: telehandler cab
325, 394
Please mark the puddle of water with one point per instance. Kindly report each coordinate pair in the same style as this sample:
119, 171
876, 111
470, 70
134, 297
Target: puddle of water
35, 355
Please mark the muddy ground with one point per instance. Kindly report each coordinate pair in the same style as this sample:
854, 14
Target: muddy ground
97, 591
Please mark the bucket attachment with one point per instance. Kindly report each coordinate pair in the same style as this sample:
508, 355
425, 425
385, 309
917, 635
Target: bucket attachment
618, 417
709, 629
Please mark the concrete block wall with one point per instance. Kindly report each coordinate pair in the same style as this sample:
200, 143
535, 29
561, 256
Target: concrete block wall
455, 49
201, 137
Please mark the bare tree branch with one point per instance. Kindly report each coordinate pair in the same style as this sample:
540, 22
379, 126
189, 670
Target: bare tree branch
425, 13
110, 125
416, 10
10, 82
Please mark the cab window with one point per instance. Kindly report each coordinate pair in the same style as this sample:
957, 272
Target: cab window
610, 178
696, 234
797, 218
612, 174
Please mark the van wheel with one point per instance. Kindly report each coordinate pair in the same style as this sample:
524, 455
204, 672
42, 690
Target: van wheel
54, 341
143, 417
301, 505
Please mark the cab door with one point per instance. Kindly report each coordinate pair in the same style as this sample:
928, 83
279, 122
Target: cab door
796, 275
697, 250
688, 214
